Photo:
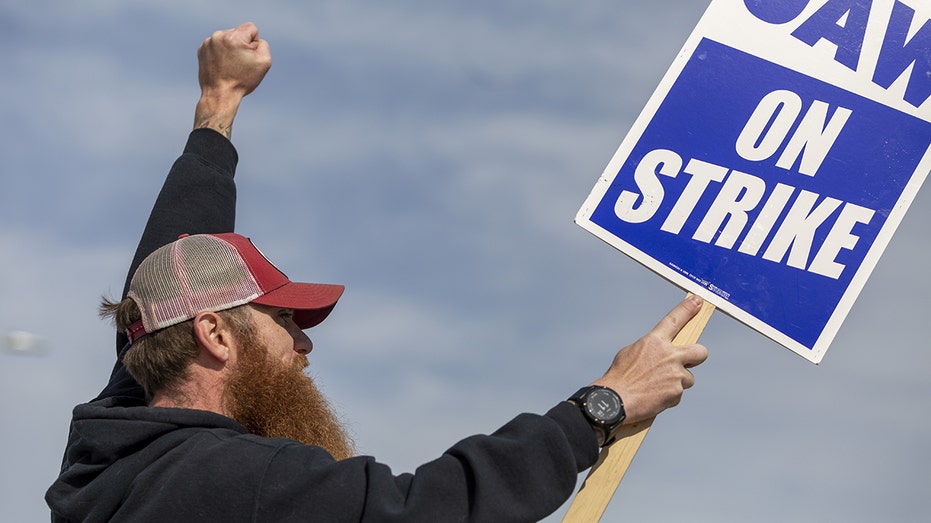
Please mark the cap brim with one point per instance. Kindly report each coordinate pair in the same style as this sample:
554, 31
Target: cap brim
312, 302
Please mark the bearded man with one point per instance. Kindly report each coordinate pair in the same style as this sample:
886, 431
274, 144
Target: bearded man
208, 415
270, 396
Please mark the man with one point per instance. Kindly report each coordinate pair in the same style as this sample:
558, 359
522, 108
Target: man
209, 417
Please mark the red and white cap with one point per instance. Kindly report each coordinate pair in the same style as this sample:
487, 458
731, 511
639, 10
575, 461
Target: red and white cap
215, 272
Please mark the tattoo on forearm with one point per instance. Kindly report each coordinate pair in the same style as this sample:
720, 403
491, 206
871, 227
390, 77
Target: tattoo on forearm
212, 121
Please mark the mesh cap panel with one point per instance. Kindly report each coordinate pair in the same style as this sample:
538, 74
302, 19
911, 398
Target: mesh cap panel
194, 274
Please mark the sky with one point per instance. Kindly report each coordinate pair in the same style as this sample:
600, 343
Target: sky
431, 156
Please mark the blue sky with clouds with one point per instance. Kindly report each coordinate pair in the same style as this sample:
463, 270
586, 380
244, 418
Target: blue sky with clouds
432, 156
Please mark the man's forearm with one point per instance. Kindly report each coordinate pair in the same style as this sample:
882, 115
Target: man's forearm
231, 64
217, 112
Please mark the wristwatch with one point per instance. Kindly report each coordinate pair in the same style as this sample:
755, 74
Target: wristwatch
603, 408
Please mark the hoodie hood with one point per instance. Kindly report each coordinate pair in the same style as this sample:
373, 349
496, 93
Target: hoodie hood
110, 444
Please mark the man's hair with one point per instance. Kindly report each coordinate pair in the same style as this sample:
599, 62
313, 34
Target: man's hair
159, 360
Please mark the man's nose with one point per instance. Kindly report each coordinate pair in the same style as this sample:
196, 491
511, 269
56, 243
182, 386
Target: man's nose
302, 343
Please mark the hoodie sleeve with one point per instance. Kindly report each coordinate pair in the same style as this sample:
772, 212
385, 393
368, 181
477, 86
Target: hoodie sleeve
198, 196
522, 472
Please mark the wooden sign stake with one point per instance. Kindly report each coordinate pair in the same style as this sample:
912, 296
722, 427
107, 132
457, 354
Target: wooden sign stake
593, 498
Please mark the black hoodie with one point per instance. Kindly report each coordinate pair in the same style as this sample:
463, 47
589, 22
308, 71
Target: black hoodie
130, 462
126, 461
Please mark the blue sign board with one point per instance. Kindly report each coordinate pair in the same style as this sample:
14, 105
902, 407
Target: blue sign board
776, 159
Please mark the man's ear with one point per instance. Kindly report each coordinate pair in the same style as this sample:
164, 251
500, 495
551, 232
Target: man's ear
213, 335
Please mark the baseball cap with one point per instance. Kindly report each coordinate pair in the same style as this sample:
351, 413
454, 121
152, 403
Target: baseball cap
215, 272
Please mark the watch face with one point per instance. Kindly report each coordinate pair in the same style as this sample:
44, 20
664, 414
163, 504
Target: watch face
603, 405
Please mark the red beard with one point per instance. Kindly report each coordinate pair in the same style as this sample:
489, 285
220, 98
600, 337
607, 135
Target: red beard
275, 400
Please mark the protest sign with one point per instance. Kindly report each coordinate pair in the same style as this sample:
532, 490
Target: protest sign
770, 168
